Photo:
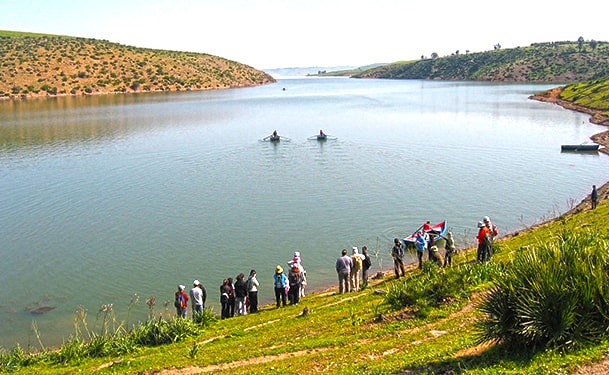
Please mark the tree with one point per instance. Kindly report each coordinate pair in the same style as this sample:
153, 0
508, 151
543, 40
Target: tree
580, 43
593, 44
434, 55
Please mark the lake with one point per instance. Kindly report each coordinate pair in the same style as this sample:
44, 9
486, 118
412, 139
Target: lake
107, 197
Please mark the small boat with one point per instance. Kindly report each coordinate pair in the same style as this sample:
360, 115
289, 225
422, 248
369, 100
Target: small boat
322, 137
275, 138
581, 147
437, 230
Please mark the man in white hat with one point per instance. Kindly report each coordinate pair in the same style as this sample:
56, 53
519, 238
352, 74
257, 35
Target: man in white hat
355, 271
198, 295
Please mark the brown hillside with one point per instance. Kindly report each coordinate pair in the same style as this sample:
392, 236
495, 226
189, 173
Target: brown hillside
34, 66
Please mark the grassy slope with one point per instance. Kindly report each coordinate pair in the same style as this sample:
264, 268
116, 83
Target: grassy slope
591, 94
543, 62
342, 334
40, 65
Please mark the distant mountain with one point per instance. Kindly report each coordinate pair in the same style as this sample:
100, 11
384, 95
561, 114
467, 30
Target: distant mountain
541, 62
302, 72
48, 65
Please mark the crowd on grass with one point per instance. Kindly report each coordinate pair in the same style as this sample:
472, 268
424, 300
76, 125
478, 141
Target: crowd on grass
240, 296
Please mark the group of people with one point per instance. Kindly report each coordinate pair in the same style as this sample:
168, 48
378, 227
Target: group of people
239, 295
348, 268
290, 287
423, 242
487, 231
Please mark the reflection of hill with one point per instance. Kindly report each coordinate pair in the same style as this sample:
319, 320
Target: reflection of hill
58, 121
43, 65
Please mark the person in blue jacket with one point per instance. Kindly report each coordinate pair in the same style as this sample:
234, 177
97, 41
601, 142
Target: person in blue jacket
421, 244
281, 286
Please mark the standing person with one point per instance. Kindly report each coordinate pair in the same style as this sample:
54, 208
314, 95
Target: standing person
397, 253
252, 291
198, 295
357, 267
181, 302
295, 281
343, 269
449, 246
366, 265
420, 244
281, 285
240, 294
224, 296
431, 242
494, 231
594, 197
231, 298
483, 236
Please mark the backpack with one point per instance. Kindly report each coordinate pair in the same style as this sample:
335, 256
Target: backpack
357, 262
180, 302
278, 280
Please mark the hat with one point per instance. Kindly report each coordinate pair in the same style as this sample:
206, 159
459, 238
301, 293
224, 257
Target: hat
354, 248
486, 219
433, 248
480, 224
278, 269
181, 287
196, 282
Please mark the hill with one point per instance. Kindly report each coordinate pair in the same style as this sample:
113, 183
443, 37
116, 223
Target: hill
35, 65
540, 62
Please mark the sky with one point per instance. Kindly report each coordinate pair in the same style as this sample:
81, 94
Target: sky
268, 34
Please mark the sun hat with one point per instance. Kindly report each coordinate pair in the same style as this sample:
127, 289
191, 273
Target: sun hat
278, 269
480, 224
196, 282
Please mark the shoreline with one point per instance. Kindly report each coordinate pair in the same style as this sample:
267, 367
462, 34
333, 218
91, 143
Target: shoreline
596, 117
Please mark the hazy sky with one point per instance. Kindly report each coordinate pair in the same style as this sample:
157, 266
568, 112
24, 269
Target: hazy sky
305, 33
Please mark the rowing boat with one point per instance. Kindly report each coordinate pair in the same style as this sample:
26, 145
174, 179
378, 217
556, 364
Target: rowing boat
437, 230
581, 147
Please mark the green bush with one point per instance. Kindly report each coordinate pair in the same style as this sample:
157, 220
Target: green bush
554, 295
435, 285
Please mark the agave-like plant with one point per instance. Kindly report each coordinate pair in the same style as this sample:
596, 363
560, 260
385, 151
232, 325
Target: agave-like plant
552, 295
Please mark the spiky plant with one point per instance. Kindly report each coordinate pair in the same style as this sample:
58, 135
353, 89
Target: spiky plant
554, 295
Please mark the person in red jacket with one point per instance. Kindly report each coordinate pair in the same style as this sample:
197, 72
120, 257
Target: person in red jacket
181, 302
484, 233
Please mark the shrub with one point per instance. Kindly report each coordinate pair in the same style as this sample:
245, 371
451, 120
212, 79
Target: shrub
435, 285
551, 296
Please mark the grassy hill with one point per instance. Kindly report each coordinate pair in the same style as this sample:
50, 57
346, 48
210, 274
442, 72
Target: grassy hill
40, 65
541, 62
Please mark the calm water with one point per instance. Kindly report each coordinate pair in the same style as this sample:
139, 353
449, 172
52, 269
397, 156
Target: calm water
104, 197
